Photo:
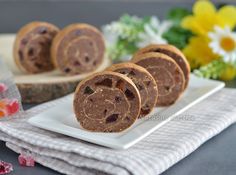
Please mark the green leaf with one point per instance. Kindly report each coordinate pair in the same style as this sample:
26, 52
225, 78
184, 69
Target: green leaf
177, 36
212, 70
177, 14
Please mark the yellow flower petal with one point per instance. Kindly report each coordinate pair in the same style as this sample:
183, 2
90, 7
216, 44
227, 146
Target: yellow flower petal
204, 18
203, 7
228, 15
187, 22
198, 53
228, 74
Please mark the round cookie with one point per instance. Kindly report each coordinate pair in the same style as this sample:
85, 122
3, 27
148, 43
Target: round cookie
78, 48
172, 52
32, 47
143, 80
107, 102
168, 75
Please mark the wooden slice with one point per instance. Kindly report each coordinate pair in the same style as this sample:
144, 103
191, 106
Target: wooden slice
107, 102
42, 87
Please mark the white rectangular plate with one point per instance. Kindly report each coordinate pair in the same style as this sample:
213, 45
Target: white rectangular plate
61, 118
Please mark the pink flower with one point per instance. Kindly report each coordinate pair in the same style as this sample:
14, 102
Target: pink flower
12, 107
26, 160
5, 167
3, 87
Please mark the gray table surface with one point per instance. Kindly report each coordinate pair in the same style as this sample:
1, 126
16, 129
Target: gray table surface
215, 157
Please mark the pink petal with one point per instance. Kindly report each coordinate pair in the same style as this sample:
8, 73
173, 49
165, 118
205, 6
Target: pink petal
5, 167
12, 107
26, 160
3, 87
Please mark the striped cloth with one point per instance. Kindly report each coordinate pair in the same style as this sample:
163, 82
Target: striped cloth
151, 156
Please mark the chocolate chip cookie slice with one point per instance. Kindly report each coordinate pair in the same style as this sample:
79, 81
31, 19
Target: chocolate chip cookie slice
107, 102
32, 47
144, 82
172, 52
78, 48
168, 75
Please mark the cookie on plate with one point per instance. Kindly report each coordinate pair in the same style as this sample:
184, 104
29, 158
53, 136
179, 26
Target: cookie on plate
78, 48
32, 47
172, 52
143, 80
107, 102
168, 75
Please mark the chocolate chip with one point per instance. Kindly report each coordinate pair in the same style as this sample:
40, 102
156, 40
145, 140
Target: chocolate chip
88, 90
42, 30
132, 73
95, 63
112, 118
147, 83
31, 51
105, 112
38, 65
77, 63
122, 72
120, 85
145, 111
118, 99
106, 82
129, 94
67, 70
167, 88
87, 59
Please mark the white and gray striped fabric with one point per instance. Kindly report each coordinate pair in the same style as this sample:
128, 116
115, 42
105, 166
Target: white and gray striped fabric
151, 156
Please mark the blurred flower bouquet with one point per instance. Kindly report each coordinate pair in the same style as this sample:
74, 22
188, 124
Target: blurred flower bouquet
206, 36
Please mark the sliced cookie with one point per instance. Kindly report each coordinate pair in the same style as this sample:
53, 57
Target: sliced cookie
107, 102
78, 48
144, 82
32, 47
168, 75
172, 52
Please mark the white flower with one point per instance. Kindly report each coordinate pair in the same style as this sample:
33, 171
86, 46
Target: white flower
153, 32
112, 32
117, 29
223, 43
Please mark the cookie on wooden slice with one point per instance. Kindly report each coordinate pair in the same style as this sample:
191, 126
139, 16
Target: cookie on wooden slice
143, 80
32, 47
107, 102
172, 52
78, 48
168, 75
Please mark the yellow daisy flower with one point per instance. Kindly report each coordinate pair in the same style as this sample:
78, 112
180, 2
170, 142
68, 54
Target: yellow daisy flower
198, 53
223, 43
205, 17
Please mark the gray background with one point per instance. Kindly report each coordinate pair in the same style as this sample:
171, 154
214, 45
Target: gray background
216, 157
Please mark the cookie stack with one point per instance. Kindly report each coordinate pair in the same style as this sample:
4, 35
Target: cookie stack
112, 100
41, 47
